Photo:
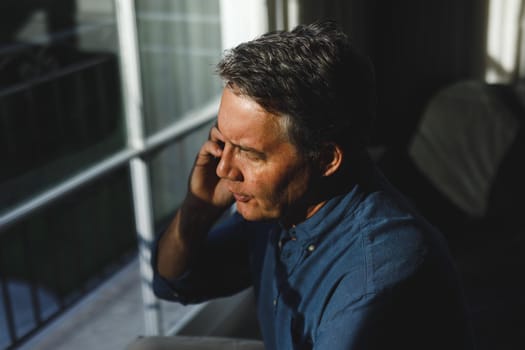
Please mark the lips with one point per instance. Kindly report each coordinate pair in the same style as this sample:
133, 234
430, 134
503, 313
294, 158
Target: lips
243, 198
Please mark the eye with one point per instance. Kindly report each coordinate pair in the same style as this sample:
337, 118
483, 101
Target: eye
253, 156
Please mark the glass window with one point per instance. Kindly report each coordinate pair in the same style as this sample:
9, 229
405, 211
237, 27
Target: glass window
504, 40
179, 44
62, 251
169, 171
60, 104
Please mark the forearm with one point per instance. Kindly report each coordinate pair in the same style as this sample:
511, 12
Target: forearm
184, 236
208, 197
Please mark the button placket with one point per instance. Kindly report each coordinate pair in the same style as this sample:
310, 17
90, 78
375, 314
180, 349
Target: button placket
275, 300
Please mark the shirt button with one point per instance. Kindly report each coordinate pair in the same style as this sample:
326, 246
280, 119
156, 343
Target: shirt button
311, 248
274, 302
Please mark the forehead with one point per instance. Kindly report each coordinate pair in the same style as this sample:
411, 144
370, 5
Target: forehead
244, 122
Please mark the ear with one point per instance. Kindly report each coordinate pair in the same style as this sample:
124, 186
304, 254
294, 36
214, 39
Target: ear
331, 159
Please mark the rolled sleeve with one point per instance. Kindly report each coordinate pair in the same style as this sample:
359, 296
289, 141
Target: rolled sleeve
221, 269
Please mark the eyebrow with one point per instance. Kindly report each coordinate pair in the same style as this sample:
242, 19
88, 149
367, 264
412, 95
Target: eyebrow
243, 148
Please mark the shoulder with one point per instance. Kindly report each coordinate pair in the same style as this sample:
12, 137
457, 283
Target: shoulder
398, 241
383, 243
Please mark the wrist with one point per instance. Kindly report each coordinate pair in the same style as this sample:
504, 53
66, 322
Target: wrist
204, 210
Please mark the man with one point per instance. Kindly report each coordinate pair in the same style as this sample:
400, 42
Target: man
337, 259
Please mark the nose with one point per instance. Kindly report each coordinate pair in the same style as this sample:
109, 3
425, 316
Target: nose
227, 167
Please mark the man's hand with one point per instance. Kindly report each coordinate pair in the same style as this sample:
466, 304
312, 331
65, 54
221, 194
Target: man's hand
204, 182
207, 198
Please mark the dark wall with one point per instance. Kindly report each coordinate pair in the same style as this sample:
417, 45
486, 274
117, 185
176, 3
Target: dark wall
417, 47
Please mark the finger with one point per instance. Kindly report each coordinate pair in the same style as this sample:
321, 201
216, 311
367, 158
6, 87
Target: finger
211, 149
216, 135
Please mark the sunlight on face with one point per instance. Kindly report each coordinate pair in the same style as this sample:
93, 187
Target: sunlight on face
266, 173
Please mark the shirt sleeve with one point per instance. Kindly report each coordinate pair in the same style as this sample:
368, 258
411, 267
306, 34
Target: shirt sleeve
222, 267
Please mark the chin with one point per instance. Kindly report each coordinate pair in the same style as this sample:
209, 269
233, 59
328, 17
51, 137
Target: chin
249, 216
253, 214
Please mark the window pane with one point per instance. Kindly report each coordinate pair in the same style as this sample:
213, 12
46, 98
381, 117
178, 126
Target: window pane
60, 105
169, 171
64, 250
179, 44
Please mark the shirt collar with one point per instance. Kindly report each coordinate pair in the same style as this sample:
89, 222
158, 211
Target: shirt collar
327, 217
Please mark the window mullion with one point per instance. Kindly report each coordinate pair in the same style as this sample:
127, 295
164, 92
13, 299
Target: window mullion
132, 96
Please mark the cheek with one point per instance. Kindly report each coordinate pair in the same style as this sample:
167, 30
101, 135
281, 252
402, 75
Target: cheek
280, 184
298, 186
282, 188
263, 184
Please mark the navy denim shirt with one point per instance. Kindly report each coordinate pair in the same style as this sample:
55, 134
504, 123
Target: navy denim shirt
364, 272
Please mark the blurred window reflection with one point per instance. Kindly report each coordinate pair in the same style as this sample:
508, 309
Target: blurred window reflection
179, 44
60, 105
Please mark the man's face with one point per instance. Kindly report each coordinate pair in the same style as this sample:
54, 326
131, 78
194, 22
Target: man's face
266, 173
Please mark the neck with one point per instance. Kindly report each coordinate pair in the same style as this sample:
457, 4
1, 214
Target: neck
326, 188
294, 218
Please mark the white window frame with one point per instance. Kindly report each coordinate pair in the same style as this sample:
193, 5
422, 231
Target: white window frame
138, 144
504, 41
